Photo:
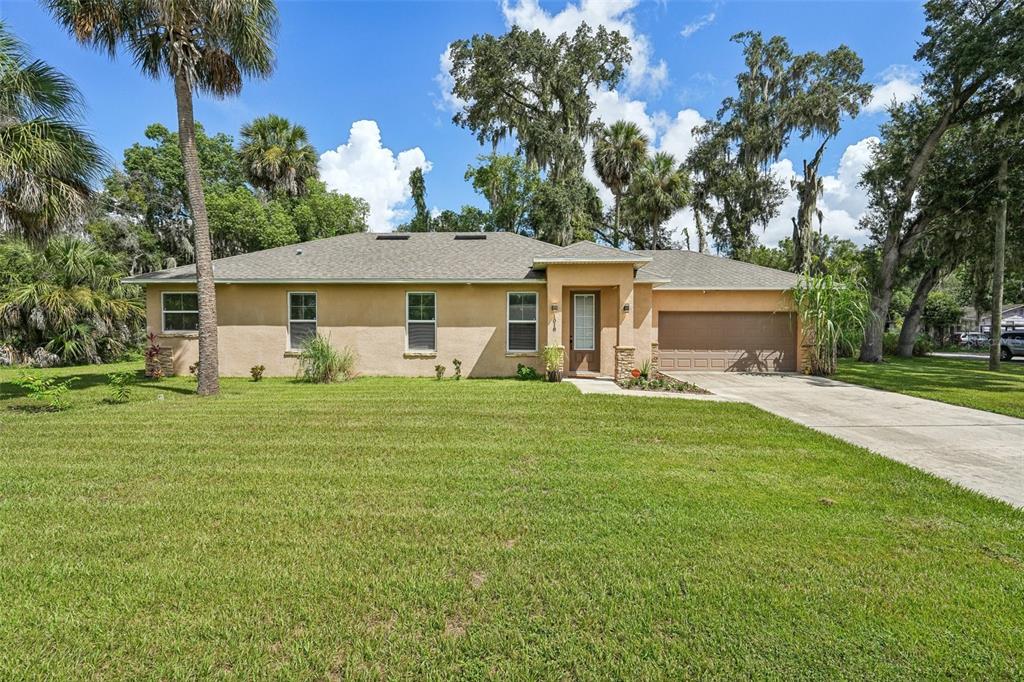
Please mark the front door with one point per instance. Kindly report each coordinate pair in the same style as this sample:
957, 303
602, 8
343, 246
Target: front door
584, 355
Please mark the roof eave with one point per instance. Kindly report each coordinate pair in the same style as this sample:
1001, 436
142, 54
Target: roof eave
320, 280
705, 288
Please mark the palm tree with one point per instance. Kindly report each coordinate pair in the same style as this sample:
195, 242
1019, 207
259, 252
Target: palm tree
659, 189
619, 149
276, 155
204, 45
68, 298
46, 162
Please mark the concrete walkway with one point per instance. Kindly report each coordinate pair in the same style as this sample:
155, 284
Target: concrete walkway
970, 356
978, 450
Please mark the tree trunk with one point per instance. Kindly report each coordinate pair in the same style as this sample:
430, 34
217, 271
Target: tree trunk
209, 382
912, 321
702, 240
998, 262
617, 233
895, 244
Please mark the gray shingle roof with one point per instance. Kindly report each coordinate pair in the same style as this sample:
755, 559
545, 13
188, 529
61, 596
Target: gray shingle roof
591, 252
423, 256
692, 270
466, 257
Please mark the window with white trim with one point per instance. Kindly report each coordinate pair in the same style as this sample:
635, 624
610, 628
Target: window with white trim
301, 318
180, 311
421, 321
522, 322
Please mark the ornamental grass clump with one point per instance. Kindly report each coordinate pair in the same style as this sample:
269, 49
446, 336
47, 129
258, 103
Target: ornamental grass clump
322, 363
832, 314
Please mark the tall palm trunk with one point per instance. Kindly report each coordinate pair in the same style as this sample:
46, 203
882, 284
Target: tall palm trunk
209, 382
617, 236
702, 239
998, 260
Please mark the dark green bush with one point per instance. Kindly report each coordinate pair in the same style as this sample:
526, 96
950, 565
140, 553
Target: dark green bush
526, 373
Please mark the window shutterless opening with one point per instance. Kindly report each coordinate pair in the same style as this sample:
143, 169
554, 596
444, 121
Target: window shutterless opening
421, 321
301, 318
521, 322
179, 311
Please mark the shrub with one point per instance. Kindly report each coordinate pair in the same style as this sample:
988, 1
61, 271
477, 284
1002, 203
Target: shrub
439, 372
193, 369
154, 370
553, 356
526, 373
645, 369
457, 368
322, 363
923, 345
120, 386
256, 371
50, 391
832, 315
890, 343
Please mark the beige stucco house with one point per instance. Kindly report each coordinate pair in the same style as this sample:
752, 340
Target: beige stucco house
406, 302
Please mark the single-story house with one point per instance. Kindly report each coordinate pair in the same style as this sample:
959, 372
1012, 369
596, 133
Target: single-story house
1012, 319
407, 302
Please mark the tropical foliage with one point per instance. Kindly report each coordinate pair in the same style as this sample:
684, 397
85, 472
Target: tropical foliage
47, 161
201, 45
619, 151
67, 298
276, 155
659, 189
322, 363
831, 318
144, 213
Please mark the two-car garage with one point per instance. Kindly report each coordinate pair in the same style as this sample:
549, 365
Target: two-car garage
727, 341
714, 314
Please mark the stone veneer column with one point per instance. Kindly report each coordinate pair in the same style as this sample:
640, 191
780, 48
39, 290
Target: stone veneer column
166, 361
655, 359
624, 362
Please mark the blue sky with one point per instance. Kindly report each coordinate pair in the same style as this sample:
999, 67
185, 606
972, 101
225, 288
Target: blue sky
379, 63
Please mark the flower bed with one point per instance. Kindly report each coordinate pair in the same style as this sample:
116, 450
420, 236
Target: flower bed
660, 382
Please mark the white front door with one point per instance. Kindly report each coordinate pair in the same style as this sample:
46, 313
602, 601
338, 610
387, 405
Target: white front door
583, 335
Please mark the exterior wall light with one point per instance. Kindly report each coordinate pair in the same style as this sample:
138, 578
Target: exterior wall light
554, 307
625, 308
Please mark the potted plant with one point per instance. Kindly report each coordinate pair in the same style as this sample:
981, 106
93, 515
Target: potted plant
553, 362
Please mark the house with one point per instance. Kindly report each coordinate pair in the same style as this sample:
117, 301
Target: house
406, 302
1013, 318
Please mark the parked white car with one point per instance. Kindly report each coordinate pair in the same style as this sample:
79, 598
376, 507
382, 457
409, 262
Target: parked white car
1011, 345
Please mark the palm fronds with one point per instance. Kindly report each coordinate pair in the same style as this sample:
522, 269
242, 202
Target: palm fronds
67, 297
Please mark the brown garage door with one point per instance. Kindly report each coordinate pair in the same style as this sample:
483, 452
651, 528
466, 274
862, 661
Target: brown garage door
728, 342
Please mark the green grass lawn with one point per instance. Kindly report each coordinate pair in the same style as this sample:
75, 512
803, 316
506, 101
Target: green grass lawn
958, 381
390, 527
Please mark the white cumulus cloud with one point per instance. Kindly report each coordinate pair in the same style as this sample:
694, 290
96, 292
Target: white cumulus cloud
899, 84
445, 83
842, 203
365, 168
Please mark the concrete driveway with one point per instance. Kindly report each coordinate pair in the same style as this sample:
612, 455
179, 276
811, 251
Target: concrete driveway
978, 450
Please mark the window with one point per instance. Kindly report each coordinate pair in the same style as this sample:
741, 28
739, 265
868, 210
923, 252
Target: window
522, 322
301, 319
583, 321
421, 321
180, 311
